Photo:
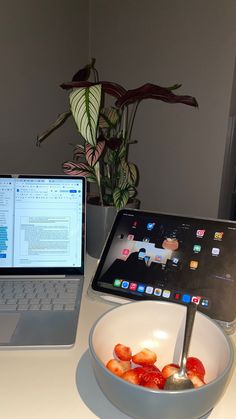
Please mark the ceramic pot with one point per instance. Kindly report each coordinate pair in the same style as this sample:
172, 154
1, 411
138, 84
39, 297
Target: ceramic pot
99, 222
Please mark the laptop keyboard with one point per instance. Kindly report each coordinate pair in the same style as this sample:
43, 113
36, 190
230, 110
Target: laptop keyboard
24, 295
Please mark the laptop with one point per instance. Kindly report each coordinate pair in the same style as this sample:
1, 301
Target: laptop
42, 230
172, 258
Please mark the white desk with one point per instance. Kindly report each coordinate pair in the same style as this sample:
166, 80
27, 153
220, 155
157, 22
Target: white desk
59, 384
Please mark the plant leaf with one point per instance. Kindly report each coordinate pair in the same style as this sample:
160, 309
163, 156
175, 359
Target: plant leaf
108, 87
78, 152
120, 197
106, 183
122, 151
80, 169
113, 89
129, 174
94, 153
174, 86
152, 91
84, 73
132, 191
114, 143
59, 121
85, 105
108, 118
110, 157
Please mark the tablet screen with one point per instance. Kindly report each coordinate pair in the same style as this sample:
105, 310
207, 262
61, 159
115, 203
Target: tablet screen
171, 258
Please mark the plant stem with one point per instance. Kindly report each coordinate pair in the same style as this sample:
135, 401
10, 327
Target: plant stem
124, 122
96, 76
97, 171
131, 122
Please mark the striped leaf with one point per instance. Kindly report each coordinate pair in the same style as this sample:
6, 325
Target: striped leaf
120, 197
132, 191
78, 152
128, 174
108, 118
85, 105
110, 157
80, 169
94, 153
122, 151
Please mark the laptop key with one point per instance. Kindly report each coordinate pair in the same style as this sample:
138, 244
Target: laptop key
34, 301
69, 307
12, 301
45, 301
8, 307
46, 307
57, 307
35, 307
22, 301
23, 307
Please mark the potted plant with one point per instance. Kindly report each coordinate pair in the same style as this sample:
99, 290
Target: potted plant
103, 157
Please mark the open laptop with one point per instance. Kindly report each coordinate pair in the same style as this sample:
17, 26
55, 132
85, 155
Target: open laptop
42, 229
173, 258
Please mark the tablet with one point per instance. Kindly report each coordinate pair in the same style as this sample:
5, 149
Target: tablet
172, 258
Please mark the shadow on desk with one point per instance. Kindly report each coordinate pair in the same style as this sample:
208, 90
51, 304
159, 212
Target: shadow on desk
91, 394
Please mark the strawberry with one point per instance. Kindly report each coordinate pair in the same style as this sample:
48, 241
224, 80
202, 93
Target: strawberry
131, 376
153, 379
149, 376
196, 380
169, 370
151, 384
123, 352
145, 357
143, 370
118, 367
196, 366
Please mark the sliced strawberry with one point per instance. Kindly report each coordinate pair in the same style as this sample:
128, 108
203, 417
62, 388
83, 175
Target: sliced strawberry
169, 370
153, 379
143, 370
151, 384
118, 367
148, 368
131, 376
123, 352
145, 357
196, 380
196, 366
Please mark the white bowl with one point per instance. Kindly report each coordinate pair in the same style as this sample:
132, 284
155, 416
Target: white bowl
159, 325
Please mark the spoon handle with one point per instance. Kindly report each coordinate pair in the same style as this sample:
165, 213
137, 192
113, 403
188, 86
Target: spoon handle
191, 311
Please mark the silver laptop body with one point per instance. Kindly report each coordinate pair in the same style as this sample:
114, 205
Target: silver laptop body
42, 231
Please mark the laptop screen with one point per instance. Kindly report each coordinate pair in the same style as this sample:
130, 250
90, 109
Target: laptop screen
42, 224
171, 258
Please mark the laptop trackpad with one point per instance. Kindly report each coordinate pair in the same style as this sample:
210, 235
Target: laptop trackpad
8, 323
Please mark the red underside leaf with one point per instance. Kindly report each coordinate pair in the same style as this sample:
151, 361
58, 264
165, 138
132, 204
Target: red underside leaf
153, 91
78, 152
110, 88
80, 169
93, 153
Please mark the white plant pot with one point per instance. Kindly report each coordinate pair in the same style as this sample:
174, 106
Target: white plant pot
99, 221
98, 225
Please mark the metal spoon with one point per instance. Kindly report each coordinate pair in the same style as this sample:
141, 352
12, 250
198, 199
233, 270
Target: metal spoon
180, 380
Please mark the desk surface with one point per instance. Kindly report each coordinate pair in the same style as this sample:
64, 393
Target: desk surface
59, 383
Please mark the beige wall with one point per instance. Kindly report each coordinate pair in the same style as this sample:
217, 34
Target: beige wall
180, 152
42, 43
